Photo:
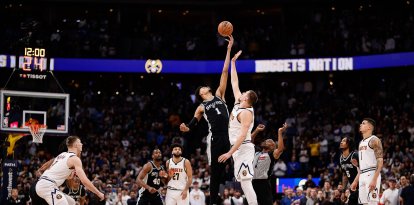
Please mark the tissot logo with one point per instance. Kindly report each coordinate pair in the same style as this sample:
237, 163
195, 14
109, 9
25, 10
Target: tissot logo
33, 76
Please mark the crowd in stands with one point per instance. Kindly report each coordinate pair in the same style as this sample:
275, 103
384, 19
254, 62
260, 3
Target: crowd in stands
262, 31
119, 130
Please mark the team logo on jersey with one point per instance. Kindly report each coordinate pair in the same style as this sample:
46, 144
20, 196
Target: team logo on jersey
244, 172
374, 195
153, 66
58, 196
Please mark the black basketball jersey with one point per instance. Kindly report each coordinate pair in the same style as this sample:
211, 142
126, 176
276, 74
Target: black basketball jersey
216, 115
350, 170
75, 194
153, 178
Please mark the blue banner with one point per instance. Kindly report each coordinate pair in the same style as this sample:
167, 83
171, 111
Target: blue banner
209, 67
149, 66
9, 177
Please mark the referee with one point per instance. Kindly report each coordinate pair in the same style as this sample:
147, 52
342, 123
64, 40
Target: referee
263, 163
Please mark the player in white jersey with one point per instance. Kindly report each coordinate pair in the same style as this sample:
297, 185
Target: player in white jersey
370, 163
180, 176
64, 165
240, 128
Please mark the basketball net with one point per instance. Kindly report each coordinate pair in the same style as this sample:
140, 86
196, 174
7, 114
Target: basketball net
37, 130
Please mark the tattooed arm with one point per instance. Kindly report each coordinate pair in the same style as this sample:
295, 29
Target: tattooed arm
376, 144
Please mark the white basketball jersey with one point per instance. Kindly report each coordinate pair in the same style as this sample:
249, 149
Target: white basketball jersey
59, 170
367, 159
179, 179
235, 125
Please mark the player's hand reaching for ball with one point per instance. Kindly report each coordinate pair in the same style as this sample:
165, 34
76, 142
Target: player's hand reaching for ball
283, 128
224, 157
184, 128
236, 56
231, 41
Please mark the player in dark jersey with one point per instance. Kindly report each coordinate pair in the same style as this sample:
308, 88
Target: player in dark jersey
75, 190
349, 166
214, 109
150, 178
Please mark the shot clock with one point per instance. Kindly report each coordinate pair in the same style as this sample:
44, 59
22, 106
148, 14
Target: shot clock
34, 59
29, 59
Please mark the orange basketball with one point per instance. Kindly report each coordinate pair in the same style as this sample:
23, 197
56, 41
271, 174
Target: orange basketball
225, 28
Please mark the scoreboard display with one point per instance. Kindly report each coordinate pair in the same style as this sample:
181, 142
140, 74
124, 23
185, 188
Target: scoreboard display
33, 59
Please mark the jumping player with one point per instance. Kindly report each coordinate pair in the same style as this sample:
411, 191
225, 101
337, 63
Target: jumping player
214, 110
240, 128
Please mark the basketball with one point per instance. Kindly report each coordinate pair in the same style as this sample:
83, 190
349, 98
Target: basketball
225, 28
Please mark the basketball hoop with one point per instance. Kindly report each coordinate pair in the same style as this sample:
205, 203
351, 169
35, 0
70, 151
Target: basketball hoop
37, 130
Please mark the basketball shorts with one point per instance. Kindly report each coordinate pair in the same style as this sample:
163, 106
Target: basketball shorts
173, 197
49, 191
365, 196
243, 162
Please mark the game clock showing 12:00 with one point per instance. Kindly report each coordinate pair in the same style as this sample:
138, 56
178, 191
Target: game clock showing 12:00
34, 59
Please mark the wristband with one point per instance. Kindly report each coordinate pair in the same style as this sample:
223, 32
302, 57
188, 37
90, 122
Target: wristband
192, 123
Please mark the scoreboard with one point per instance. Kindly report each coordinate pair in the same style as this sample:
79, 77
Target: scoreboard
33, 59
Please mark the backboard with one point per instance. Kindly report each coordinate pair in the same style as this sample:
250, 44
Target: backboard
50, 109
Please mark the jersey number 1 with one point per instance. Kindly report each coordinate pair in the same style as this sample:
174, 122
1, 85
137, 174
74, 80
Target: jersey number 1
218, 111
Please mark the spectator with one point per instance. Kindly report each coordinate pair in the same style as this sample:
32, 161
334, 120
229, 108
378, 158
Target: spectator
237, 199
197, 196
279, 169
133, 199
390, 195
299, 195
293, 167
14, 198
288, 198
407, 196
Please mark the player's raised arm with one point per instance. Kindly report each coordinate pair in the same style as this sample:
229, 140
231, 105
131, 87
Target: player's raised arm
256, 131
221, 90
235, 78
280, 145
